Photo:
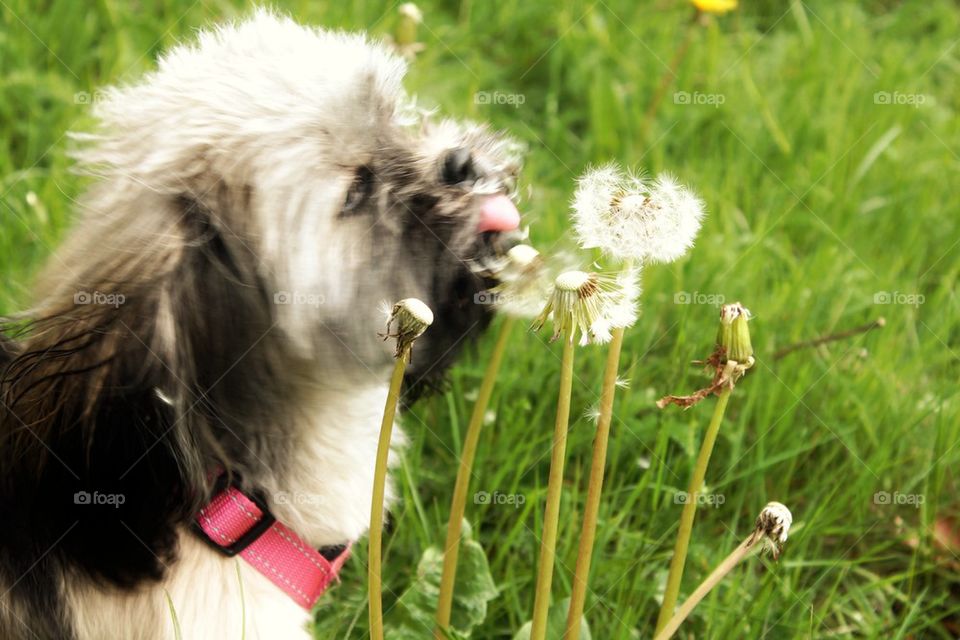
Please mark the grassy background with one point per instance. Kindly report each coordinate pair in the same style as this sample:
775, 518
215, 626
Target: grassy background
819, 198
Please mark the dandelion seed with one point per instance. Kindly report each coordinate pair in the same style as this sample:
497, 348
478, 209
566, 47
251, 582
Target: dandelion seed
592, 413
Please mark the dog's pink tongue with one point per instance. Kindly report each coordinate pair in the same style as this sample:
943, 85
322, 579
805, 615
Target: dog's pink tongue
498, 213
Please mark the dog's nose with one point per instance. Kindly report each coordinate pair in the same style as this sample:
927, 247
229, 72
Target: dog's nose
498, 213
458, 167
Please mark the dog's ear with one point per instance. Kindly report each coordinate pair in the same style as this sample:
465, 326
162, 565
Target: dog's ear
89, 465
120, 396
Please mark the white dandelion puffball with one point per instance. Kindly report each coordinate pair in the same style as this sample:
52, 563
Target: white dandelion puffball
633, 218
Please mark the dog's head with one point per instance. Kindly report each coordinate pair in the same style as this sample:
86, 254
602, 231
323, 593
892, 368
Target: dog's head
299, 152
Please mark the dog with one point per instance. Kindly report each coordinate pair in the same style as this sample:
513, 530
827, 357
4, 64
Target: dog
206, 337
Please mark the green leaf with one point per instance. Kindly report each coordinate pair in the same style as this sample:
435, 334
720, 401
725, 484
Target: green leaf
413, 616
556, 623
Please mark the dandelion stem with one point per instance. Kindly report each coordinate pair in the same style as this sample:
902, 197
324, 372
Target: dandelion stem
672, 591
458, 504
670, 73
551, 517
374, 577
833, 337
705, 587
588, 531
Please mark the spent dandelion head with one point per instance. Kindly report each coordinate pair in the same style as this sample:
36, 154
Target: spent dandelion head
525, 279
632, 218
408, 319
773, 527
591, 303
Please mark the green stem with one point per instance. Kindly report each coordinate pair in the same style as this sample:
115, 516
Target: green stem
588, 531
374, 578
551, 517
458, 504
670, 73
705, 587
690, 510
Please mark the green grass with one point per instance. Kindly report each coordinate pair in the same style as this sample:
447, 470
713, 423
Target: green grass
818, 198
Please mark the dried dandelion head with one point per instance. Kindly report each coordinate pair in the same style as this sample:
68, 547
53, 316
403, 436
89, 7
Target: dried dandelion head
631, 218
773, 527
407, 321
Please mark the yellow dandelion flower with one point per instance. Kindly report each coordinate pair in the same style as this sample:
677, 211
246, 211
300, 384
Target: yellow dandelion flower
715, 6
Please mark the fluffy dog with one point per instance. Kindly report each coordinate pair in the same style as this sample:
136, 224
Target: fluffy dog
215, 310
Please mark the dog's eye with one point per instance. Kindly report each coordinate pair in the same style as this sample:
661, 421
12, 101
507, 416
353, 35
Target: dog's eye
359, 191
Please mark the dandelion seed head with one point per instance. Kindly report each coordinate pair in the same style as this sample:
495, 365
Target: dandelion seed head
633, 218
525, 282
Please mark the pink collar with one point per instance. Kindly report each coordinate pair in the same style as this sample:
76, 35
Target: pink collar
236, 523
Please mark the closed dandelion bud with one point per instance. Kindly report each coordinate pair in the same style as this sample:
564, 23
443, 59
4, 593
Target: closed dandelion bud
734, 335
410, 18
